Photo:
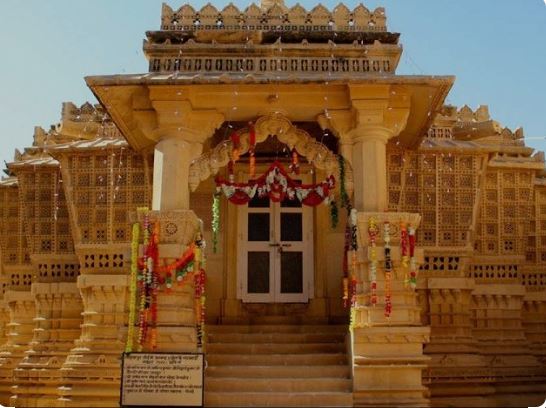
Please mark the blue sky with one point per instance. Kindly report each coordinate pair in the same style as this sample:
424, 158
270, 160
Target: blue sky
496, 48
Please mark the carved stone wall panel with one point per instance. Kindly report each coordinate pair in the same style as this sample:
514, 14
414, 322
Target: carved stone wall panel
58, 319
20, 332
90, 374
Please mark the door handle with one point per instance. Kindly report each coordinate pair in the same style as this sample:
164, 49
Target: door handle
274, 245
286, 245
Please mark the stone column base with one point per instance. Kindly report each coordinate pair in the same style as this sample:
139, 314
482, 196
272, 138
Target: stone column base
91, 374
388, 362
58, 320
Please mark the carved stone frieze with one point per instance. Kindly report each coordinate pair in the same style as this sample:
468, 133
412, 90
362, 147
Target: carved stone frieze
272, 125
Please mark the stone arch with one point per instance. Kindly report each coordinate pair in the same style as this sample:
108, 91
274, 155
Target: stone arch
210, 162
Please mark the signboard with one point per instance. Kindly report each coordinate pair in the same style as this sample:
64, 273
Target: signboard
162, 379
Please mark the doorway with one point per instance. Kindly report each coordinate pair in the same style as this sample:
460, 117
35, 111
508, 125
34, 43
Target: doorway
275, 251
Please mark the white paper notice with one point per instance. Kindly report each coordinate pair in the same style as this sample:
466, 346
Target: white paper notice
162, 379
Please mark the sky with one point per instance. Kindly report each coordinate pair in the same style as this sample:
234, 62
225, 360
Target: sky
495, 48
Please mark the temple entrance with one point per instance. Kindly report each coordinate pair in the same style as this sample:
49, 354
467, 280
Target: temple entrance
275, 246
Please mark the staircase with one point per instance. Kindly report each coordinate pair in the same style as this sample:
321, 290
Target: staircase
277, 362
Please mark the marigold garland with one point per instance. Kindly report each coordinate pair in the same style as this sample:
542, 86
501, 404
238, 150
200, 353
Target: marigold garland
404, 243
342, 191
215, 221
372, 239
277, 185
251, 151
133, 287
388, 269
147, 281
413, 259
334, 213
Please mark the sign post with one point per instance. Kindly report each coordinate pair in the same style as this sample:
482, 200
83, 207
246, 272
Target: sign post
162, 379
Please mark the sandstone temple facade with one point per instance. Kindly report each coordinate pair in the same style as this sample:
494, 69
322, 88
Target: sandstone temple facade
318, 86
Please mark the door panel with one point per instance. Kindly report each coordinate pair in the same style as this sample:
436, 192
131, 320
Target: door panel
275, 251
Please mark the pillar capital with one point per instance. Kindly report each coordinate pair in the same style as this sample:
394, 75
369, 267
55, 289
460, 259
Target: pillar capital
179, 119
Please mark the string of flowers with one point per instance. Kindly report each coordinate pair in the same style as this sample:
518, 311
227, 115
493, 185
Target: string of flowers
372, 238
345, 281
153, 262
276, 184
215, 221
251, 151
412, 259
342, 191
199, 290
404, 243
388, 269
143, 288
295, 165
334, 212
133, 287
189, 267
354, 280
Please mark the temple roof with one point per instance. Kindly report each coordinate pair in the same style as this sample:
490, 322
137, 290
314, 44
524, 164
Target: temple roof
9, 182
94, 144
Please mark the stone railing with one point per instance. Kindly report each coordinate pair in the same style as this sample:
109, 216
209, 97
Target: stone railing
275, 18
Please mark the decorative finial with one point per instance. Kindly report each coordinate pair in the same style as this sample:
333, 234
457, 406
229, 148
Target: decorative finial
267, 4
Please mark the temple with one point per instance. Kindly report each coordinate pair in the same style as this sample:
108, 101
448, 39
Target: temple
367, 244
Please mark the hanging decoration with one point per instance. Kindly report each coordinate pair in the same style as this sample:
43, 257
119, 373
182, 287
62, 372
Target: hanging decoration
276, 184
404, 243
345, 203
133, 287
388, 269
412, 258
236, 142
372, 239
334, 212
345, 281
252, 151
295, 165
352, 222
215, 221
148, 279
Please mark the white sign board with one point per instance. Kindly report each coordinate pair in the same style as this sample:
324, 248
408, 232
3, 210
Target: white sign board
162, 379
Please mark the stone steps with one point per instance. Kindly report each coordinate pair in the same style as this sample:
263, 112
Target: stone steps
280, 371
276, 328
273, 399
275, 338
277, 348
277, 359
278, 362
283, 385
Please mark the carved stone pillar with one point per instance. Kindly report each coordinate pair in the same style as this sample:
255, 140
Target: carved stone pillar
91, 372
388, 353
57, 325
172, 159
20, 332
456, 367
370, 168
176, 330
